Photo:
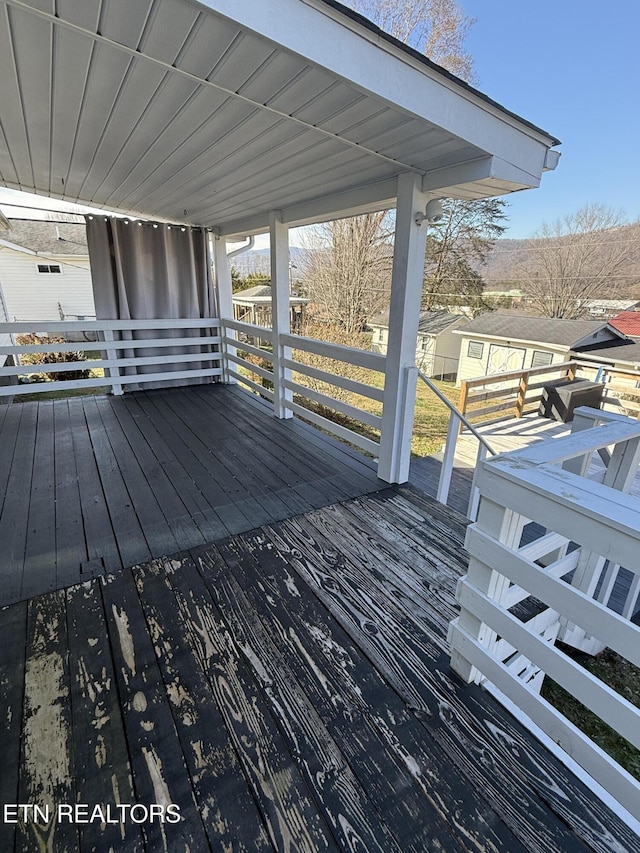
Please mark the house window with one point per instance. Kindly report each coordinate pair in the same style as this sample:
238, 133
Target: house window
49, 268
476, 349
541, 358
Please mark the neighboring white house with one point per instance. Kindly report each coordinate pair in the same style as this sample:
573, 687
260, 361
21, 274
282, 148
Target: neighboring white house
45, 272
605, 309
496, 343
437, 347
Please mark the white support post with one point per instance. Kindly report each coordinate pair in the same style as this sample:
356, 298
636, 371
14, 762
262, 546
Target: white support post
225, 302
404, 311
279, 234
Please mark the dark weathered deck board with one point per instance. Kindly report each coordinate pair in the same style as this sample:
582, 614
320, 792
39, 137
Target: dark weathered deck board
345, 802
71, 548
113, 481
159, 770
369, 722
409, 659
287, 686
46, 763
230, 817
102, 771
13, 636
284, 800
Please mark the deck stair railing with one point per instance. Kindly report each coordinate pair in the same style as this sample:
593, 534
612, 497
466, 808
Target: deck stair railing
557, 535
457, 420
516, 393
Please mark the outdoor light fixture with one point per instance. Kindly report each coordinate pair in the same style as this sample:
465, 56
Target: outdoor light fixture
433, 212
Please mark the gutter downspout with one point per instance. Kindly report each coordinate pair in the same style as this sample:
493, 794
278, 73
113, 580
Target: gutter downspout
243, 249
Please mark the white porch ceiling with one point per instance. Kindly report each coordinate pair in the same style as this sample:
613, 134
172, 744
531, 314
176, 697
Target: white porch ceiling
210, 114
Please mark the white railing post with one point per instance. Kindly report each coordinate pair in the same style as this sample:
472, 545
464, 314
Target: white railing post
474, 497
448, 458
112, 355
225, 304
281, 314
404, 312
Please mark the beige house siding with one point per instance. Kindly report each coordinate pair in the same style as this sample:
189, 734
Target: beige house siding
436, 355
31, 295
498, 356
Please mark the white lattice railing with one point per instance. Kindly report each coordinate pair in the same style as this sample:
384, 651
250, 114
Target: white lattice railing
575, 577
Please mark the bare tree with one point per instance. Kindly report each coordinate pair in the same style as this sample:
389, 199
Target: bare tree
348, 269
437, 28
575, 259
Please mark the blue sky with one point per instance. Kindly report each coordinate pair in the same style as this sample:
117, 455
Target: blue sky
571, 67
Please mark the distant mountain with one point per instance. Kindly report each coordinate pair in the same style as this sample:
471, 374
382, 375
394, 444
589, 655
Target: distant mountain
507, 256
500, 271
259, 261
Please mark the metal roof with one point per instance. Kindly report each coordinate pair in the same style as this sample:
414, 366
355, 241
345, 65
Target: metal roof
627, 322
216, 113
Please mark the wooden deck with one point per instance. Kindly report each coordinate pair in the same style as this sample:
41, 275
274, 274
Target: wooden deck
285, 689
97, 483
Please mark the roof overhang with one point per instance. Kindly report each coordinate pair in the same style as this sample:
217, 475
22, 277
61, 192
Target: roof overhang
217, 113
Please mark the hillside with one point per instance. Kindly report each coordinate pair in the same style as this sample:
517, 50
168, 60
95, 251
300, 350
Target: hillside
501, 269
507, 256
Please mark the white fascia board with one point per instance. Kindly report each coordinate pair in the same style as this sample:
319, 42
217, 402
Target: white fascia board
492, 171
324, 37
7, 244
615, 333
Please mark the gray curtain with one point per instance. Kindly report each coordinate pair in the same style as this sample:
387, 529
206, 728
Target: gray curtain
143, 271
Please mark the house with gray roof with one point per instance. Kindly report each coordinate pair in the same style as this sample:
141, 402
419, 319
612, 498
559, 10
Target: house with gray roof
499, 342
437, 347
45, 272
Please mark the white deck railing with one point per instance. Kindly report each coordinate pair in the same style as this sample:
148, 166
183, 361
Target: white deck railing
183, 349
245, 339
122, 360
589, 527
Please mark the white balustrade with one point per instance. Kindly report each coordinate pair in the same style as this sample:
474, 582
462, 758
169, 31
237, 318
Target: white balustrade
519, 597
